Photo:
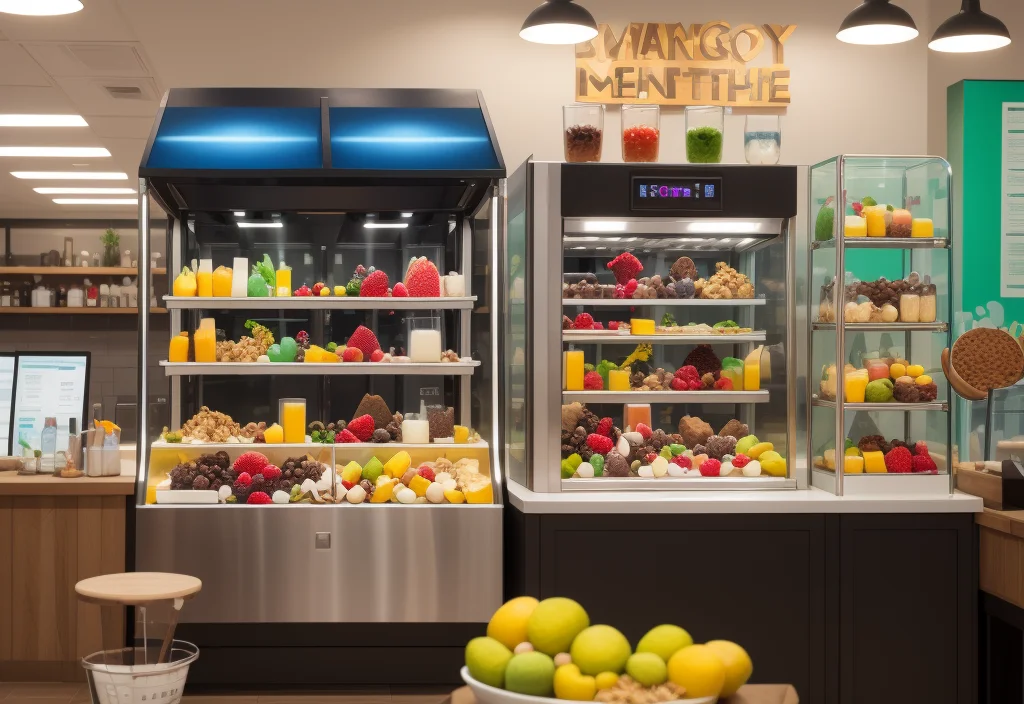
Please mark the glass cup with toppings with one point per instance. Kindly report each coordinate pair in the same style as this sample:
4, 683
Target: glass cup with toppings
705, 129
584, 132
762, 139
641, 132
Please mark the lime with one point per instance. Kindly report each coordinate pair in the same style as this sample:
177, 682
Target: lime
554, 624
530, 673
664, 641
647, 668
486, 660
600, 649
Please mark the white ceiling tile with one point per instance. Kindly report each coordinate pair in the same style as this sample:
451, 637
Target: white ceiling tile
33, 100
99, 20
18, 69
127, 154
90, 96
89, 58
120, 127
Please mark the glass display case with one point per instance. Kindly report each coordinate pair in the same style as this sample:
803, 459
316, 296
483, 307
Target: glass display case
879, 276
649, 329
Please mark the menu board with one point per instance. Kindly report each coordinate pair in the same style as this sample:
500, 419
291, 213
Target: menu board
49, 385
6, 397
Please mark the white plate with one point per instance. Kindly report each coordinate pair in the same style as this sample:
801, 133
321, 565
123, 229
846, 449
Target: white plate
486, 694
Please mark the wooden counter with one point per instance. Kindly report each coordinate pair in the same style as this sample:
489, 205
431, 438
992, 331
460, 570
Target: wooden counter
1001, 554
54, 532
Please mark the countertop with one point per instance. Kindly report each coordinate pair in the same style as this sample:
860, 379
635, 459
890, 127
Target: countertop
13, 484
766, 501
1009, 522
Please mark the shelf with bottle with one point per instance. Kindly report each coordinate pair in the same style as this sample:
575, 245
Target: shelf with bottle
695, 397
894, 406
319, 303
599, 337
319, 368
29, 310
76, 271
909, 303
885, 243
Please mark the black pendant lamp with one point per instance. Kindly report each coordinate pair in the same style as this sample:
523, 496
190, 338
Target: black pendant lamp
877, 22
970, 30
559, 22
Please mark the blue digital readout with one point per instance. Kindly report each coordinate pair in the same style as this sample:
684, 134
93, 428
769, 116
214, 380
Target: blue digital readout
709, 190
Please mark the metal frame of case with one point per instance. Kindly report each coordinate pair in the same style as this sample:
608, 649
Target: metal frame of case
839, 243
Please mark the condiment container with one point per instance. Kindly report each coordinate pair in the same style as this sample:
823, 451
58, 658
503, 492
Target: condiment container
425, 346
910, 307
240, 277
76, 297
928, 303
292, 417
855, 226
922, 227
705, 130
641, 133
762, 139
584, 132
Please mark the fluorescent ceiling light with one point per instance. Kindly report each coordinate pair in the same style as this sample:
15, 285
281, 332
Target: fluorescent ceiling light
877, 22
604, 226
53, 151
96, 201
42, 121
85, 191
40, 7
385, 225
71, 175
239, 213
559, 22
714, 227
253, 225
406, 215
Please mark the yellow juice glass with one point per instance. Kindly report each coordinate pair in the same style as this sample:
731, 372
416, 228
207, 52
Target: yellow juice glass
618, 380
177, 351
572, 368
204, 282
283, 282
856, 226
875, 221
752, 370
205, 341
292, 414
856, 384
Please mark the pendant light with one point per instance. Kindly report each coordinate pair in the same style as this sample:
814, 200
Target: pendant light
877, 22
559, 22
40, 7
970, 30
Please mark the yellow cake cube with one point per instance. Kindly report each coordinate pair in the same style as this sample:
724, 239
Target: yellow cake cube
641, 326
352, 473
419, 484
853, 464
874, 462
398, 465
383, 491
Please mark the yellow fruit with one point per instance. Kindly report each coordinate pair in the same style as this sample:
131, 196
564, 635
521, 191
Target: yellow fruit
325, 291
664, 641
755, 451
699, 670
316, 354
606, 680
897, 370
274, 434
339, 291
923, 379
420, 485
647, 668
600, 649
854, 464
399, 465
554, 625
508, 624
486, 660
571, 684
773, 463
454, 496
461, 434
383, 492
352, 473
530, 673
915, 370
738, 666
853, 452
481, 495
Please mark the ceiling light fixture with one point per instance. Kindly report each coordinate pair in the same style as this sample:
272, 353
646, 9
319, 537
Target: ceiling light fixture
239, 213
42, 121
40, 7
877, 22
406, 215
53, 151
559, 22
604, 225
385, 225
724, 227
96, 201
71, 175
264, 225
73, 190
970, 30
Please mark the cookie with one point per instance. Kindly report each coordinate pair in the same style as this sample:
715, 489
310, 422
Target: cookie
987, 359
684, 268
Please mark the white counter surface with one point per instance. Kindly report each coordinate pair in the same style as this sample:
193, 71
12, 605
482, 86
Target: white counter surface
768, 501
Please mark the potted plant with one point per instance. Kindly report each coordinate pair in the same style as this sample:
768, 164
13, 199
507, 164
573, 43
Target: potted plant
111, 242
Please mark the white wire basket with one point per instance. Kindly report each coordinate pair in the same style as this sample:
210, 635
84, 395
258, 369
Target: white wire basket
112, 682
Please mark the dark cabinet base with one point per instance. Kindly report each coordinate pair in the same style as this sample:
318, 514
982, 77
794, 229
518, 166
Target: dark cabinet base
847, 608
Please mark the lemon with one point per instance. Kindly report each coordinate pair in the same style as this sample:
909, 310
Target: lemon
530, 673
571, 684
508, 624
738, 666
554, 624
486, 660
755, 451
699, 670
606, 680
745, 443
664, 641
647, 668
600, 649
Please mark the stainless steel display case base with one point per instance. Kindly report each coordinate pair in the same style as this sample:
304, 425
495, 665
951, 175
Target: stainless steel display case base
381, 563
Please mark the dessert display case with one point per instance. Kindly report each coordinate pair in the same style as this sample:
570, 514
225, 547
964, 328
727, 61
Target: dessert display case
879, 420
332, 383
648, 339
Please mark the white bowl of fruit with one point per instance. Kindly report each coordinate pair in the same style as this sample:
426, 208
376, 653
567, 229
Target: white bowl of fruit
538, 651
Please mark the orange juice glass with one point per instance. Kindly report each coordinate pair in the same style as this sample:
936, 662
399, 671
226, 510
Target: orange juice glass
573, 370
292, 414
636, 413
283, 281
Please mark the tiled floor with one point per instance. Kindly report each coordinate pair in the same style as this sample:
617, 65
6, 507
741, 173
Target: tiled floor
41, 693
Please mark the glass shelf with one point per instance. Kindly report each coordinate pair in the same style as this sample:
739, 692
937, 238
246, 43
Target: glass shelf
886, 243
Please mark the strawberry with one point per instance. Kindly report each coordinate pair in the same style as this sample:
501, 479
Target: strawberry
352, 354
899, 460
422, 279
375, 285
625, 267
362, 427
683, 461
426, 472
613, 325
376, 355
364, 340
598, 326
678, 384
644, 430
345, 436
584, 321
400, 291
317, 288
605, 427
921, 448
243, 479
710, 468
600, 444
923, 463
630, 288
592, 381
250, 463
259, 497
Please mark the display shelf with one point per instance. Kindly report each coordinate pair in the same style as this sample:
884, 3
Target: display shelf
320, 303
218, 446
318, 368
884, 407
634, 302
77, 270
665, 396
885, 327
677, 483
29, 310
887, 243
666, 339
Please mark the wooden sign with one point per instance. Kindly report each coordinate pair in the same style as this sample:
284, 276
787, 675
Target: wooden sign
672, 64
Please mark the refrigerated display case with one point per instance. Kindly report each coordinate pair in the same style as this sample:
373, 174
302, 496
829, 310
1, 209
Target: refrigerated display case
649, 327
361, 224
882, 425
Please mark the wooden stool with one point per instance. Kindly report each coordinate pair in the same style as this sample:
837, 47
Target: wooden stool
141, 589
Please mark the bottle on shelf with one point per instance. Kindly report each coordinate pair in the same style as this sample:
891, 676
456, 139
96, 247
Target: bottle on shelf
204, 278
292, 416
48, 444
283, 281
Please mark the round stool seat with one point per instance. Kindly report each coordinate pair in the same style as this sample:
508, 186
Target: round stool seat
137, 588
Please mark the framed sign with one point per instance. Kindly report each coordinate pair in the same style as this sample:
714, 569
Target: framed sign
674, 64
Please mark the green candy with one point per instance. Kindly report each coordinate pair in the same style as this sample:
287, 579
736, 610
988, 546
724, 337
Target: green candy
332, 346
372, 470
574, 460
666, 452
568, 470
676, 449
274, 353
597, 462
289, 349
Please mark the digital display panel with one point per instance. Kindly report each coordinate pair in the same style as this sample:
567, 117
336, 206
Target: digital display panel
658, 193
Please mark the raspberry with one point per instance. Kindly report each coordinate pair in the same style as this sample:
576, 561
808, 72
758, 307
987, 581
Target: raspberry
259, 497
352, 354
723, 384
375, 285
650, 457
598, 326
244, 479
271, 473
614, 325
923, 463
644, 430
678, 384
592, 381
620, 291
921, 448
364, 340
605, 427
631, 287
683, 461
345, 436
377, 355
600, 444
740, 461
360, 270
710, 468
625, 267
426, 472
251, 462
687, 373
400, 291
422, 279
899, 461
584, 321
302, 338
362, 427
